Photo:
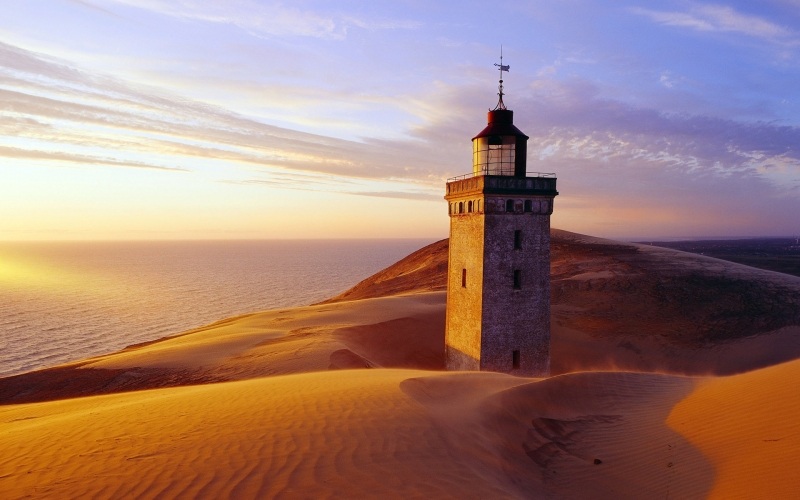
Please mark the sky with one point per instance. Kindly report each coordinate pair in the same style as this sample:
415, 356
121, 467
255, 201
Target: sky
253, 119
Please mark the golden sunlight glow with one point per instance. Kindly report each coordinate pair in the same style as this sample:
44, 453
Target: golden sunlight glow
17, 273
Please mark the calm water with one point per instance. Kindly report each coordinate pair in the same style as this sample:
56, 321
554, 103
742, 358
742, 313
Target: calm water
66, 301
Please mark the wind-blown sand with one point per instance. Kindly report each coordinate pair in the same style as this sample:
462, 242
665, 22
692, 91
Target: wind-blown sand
348, 398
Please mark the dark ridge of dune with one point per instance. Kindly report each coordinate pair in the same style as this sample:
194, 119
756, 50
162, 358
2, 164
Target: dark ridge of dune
75, 380
773, 254
688, 299
423, 271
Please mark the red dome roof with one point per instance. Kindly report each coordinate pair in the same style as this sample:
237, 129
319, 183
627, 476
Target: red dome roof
501, 122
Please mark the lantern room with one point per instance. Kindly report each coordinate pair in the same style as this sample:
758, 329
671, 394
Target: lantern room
500, 148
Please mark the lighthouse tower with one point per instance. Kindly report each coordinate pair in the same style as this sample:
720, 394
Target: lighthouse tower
498, 278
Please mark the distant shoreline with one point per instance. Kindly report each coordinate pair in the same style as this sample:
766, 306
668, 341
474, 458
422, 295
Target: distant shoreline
773, 254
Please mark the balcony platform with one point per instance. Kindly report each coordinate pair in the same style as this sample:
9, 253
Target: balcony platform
534, 183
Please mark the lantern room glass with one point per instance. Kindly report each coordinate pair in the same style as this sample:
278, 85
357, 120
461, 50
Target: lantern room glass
493, 155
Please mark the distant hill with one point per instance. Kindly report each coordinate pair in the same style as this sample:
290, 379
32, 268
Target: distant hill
774, 254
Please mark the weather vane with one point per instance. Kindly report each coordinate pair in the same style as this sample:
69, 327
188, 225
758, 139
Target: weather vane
501, 67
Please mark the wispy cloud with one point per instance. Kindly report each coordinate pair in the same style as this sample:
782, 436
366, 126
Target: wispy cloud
54, 111
49, 102
50, 156
580, 124
708, 173
266, 18
685, 165
89, 5
720, 18
315, 183
400, 195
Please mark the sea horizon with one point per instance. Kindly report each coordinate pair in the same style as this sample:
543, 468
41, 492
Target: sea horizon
630, 239
66, 300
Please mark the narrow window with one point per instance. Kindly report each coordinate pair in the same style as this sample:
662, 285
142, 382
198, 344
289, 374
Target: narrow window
517, 279
528, 206
461, 207
517, 239
515, 359
478, 205
464, 278
469, 207
509, 205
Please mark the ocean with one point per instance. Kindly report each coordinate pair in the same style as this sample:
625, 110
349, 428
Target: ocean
64, 301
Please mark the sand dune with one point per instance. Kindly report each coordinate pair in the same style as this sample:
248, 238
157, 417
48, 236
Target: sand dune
747, 428
637, 307
402, 331
347, 398
377, 433
304, 435
422, 271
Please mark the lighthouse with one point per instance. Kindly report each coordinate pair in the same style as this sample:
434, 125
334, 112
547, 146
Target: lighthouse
498, 278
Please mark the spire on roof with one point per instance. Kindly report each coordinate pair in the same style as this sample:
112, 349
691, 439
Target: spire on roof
501, 67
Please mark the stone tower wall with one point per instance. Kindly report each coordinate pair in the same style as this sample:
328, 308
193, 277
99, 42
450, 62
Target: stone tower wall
498, 314
464, 303
516, 287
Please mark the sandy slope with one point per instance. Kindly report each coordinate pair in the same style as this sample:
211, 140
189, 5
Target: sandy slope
747, 427
279, 403
356, 434
401, 331
378, 433
636, 307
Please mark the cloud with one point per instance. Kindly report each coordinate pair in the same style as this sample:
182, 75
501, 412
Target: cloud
720, 18
685, 170
575, 109
318, 184
49, 101
400, 195
89, 5
23, 154
267, 18
713, 175
666, 79
53, 106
